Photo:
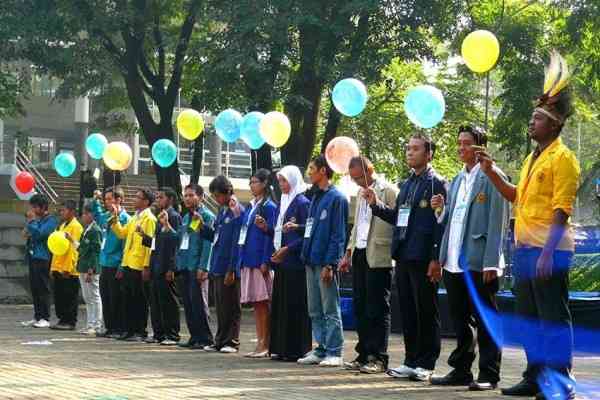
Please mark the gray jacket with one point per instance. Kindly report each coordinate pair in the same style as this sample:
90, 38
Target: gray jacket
484, 225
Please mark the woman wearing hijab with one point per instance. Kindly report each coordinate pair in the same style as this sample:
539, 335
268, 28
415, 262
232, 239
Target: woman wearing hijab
290, 323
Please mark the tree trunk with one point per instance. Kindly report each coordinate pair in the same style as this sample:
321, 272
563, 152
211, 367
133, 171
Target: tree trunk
333, 123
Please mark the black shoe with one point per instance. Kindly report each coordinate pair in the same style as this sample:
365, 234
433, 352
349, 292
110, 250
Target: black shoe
197, 346
523, 388
135, 339
453, 378
115, 335
124, 336
152, 339
187, 344
480, 386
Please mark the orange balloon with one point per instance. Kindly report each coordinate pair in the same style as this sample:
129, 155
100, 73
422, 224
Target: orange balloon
339, 151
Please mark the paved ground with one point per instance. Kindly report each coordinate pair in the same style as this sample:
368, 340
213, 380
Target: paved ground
77, 367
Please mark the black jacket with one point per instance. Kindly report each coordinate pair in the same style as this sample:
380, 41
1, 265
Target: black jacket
162, 258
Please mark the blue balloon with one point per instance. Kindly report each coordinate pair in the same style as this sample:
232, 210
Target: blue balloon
95, 145
350, 97
425, 106
65, 164
249, 130
164, 152
227, 125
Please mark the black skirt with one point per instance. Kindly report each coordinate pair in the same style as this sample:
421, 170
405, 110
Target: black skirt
291, 335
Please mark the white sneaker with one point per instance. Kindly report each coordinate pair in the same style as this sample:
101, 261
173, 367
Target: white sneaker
422, 375
87, 331
228, 350
28, 323
310, 359
401, 372
210, 348
331, 361
42, 323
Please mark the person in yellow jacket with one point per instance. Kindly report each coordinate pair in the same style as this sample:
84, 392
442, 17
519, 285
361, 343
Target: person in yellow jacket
64, 270
135, 266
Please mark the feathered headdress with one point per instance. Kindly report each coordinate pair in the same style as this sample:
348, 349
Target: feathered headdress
555, 103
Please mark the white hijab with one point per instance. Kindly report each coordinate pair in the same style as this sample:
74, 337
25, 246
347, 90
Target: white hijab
293, 176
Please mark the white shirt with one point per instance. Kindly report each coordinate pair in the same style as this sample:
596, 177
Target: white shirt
364, 222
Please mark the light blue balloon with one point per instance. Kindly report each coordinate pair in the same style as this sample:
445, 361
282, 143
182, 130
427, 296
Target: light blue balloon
65, 164
95, 145
227, 125
249, 130
350, 97
164, 152
424, 106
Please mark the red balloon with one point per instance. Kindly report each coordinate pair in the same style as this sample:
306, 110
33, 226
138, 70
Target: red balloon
24, 182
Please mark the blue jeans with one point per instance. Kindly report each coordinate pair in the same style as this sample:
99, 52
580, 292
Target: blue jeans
325, 313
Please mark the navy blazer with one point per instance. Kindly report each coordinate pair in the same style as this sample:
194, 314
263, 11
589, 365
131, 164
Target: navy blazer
162, 258
259, 245
420, 240
298, 211
224, 256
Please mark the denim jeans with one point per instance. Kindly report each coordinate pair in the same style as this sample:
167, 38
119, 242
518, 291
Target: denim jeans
325, 313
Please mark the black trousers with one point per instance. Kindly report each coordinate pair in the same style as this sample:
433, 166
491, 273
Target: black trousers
136, 305
66, 298
195, 305
421, 325
229, 312
39, 282
164, 308
467, 319
112, 300
543, 305
371, 295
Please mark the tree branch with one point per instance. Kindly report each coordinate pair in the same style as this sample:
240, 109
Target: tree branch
150, 76
158, 39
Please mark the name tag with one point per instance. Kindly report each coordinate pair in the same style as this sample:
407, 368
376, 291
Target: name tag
153, 247
216, 238
277, 238
243, 234
185, 242
403, 216
103, 243
458, 215
308, 229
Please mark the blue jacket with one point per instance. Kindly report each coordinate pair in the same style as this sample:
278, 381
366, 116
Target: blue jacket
258, 247
197, 255
224, 236
162, 259
40, 229
298, 212
327, 242
111, 254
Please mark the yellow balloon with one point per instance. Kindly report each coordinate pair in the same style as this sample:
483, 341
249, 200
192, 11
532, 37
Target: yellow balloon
480, 50
190, 124
58, 243
117, 156
275, 128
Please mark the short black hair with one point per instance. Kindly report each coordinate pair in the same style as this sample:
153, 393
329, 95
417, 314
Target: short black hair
69, 205
148, 195
264, 176
196, 188
478, 134
427, 141
362, 162
321, 162
88, 209
116, 191
39, 200
220, 184
170, 193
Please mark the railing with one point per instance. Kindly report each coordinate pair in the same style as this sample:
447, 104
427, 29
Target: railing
41, 185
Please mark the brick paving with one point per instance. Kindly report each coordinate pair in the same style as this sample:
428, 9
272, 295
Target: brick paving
78, 367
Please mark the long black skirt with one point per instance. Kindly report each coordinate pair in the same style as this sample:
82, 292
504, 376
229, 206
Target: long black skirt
291, 335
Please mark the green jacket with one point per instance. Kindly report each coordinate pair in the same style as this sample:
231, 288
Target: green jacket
89, 249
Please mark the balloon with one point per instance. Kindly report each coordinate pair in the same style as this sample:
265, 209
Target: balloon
164, 152
24, 182
65, 164
350, 97
480, 50
249, 130
339, 151
190, 124
275, 128
227, 125
95, 145
117, 156
425, 106
58, 243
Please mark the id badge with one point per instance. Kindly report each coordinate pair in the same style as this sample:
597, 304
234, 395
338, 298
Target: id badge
308, 228
185, 242
216, 238
403, 216
277, 239
153, 247
243, 234
104, 233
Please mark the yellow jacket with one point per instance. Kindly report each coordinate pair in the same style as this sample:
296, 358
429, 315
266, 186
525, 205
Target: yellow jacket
135, 255
68, 261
